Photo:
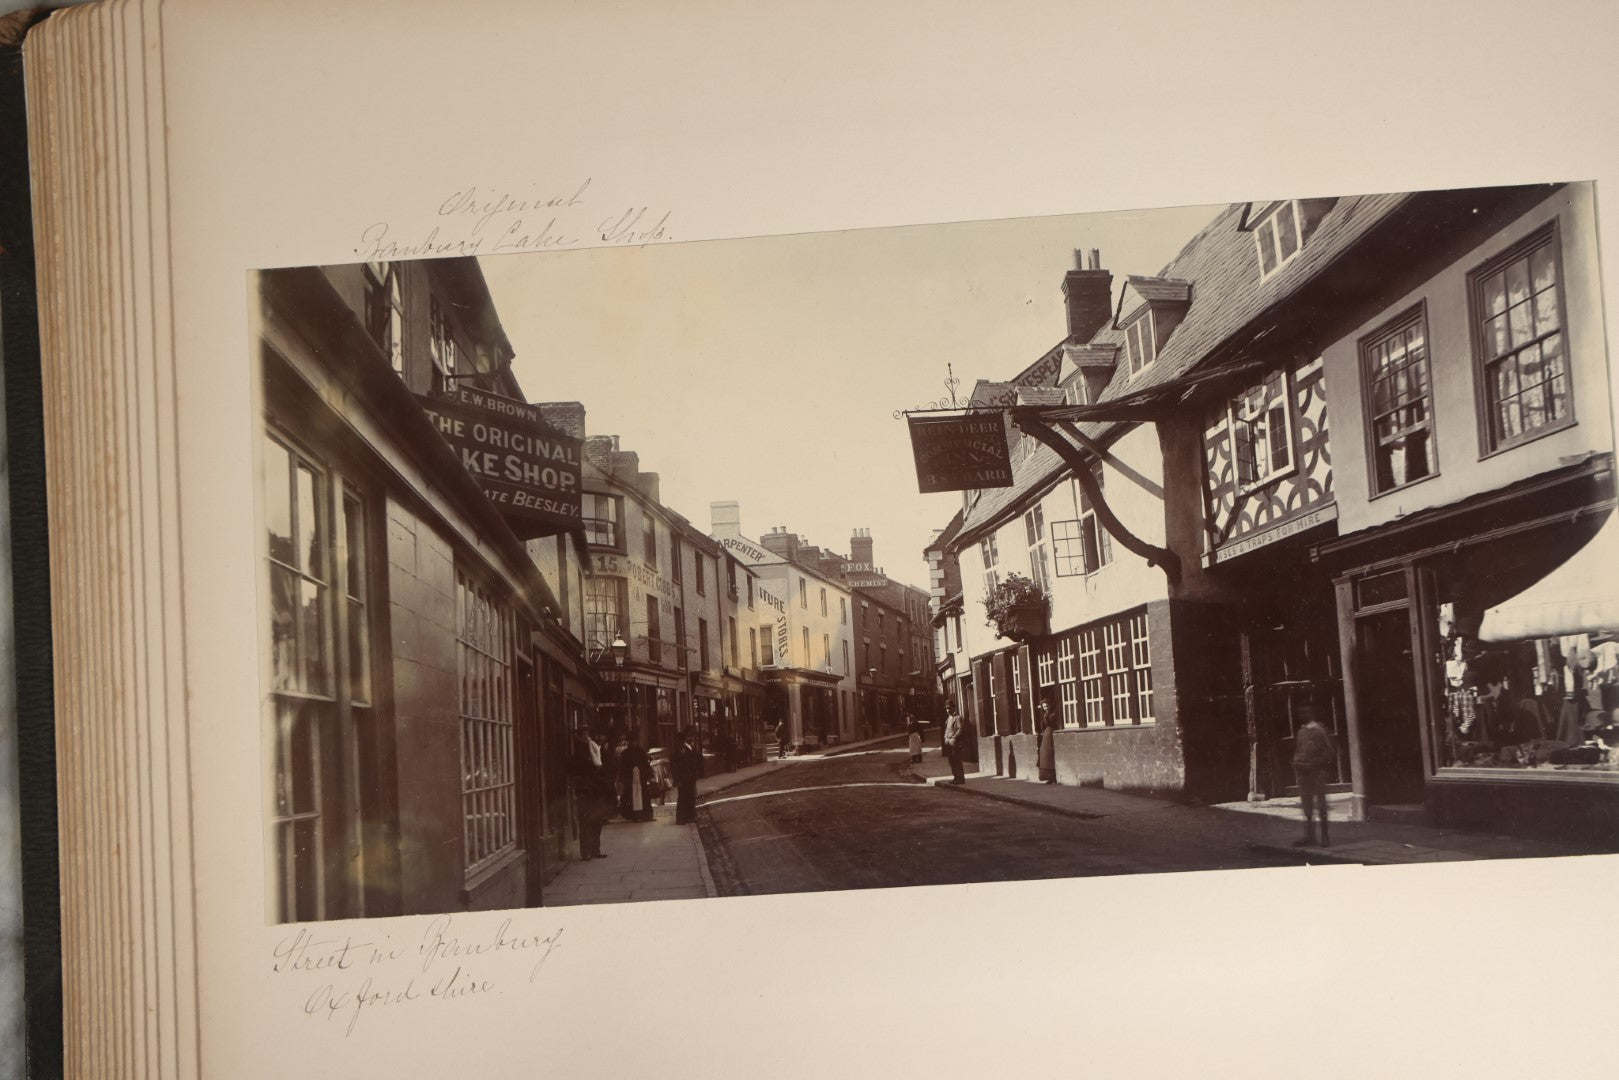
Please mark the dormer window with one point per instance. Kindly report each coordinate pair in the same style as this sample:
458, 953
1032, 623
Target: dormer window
1279, 236
1141, 342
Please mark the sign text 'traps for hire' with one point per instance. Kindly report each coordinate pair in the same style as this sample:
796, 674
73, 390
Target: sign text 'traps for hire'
529, 470
961, 453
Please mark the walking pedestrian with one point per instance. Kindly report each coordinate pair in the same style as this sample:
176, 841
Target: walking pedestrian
592, 793
1047, 758
954, 731
914, 730
635, 780
687, 764
1313, 755
781, 738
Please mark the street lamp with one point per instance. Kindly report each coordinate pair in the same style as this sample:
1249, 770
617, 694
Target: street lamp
621, 650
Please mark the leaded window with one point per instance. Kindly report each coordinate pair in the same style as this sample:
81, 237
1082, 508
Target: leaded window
1522, 348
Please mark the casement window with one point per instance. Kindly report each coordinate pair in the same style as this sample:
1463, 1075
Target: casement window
1045, 667
1115, 673
601, 515
1141, 342
441, 348
1260, 426
1399, 402
1521, 348
680, 639
649, 538
1141, 666
1067, 683
485, 637
1279, 237
702, 644
1090, 676
384, 312
992, 557
320, 644
1081, 545
654, 631
1034, 529
606, 610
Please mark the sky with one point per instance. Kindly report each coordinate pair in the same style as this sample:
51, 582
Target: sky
766, 370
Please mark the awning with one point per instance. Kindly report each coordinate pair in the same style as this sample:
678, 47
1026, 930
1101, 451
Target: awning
1579, 597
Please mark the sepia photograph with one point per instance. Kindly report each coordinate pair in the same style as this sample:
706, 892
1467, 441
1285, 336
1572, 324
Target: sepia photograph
1267, 534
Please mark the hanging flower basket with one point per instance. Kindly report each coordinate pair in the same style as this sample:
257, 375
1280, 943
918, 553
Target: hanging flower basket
1017, 609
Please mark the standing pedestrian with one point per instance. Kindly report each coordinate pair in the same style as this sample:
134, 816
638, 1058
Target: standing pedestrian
781, 738
1047, 758
1313, 755
635, 780
953, 733
914, 730
592, 793
687, 764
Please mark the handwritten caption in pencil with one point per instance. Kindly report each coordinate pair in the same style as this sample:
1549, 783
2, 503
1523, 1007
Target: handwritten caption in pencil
480, 221
362, 974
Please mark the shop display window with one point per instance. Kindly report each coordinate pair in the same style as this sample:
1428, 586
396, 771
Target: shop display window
1546, 704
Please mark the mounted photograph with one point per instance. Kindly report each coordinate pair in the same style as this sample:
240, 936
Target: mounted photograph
1168, 540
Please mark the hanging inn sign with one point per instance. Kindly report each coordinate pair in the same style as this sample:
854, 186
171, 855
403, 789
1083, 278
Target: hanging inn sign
529, 470
960, 453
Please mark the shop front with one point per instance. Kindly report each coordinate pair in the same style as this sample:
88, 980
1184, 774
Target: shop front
1501, 722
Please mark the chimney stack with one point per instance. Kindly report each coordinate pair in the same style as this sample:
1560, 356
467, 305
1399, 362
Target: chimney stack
779, 541
860, 545
725, 518
567, 417
1089, 295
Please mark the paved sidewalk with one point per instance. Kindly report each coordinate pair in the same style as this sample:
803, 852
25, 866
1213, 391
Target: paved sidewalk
657, 859
1274, 832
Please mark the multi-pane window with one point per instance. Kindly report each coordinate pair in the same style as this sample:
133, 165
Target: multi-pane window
1066, 681
1279, 239
488, 762
1141, 664
320, 681
1141, 342
1045, 667
1081, 545
654, 631
605, 610
1523, 352
767, 640
649, 539
441, 347
1034, 528
1090, 676
384, 319
990, 551
1261, 428
1399, 402
600, 514
1116, 652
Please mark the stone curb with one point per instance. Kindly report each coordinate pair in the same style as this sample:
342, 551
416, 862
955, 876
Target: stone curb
1308, 855
970, 789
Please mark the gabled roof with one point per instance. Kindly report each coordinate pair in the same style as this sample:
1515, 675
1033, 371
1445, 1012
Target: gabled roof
1222, 263
1158, 288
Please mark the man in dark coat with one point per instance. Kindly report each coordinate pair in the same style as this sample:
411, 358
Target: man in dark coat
592, 793
687, 764
1313, 756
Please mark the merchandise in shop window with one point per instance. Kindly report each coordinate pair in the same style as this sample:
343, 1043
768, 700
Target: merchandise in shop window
1546, 704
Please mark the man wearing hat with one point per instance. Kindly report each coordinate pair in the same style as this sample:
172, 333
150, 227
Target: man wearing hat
1313, 756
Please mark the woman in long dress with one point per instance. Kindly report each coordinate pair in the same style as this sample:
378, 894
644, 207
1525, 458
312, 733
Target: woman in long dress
635, 781
915, 731
1048, 745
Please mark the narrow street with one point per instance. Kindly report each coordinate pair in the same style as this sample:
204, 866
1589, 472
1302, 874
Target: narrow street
867, 820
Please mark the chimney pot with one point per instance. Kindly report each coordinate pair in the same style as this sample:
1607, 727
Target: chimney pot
1096, 259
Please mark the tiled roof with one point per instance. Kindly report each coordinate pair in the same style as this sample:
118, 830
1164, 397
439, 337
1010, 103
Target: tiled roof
1154, 288
1222, 265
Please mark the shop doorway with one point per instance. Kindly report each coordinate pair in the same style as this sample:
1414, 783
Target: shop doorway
1390, 731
